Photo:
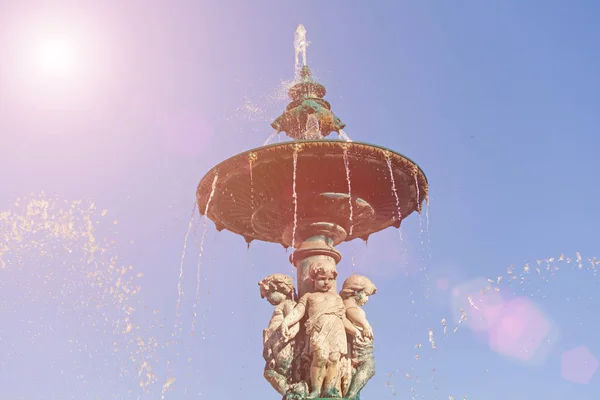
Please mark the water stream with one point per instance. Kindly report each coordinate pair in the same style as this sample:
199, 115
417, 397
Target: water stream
427, 225
251, 159
395, 193
271, 137
300, 45
169, 380
313, 131
416, 178
295, 197
347, 165
419, 207
180, 278
205, 228
343, 136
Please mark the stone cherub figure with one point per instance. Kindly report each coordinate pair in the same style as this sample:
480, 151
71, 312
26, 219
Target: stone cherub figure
326, 329
355, 292
278, 351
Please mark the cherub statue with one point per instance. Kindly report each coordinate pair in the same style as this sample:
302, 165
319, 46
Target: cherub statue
326, 329
355, 292
278, 351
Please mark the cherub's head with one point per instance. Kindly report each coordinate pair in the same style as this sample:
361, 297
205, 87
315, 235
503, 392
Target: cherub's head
277, 288
322, 276
358, 286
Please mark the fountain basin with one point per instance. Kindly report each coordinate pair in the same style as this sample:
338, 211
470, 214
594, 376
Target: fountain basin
252, 193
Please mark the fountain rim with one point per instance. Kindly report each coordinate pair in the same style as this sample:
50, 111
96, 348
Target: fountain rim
211, 172
204, 191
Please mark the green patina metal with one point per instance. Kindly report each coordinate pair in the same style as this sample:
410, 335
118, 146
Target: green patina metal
307, 99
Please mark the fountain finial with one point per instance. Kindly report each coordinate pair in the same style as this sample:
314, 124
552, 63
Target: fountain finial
307, 116
305, 72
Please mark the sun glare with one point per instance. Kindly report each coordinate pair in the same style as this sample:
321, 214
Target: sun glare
57, 60
55, 56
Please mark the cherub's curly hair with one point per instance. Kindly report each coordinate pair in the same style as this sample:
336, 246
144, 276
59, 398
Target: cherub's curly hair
355, 284
316, 269
279, 282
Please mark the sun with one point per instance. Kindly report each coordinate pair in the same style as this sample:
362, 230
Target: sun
55, 56
58, 61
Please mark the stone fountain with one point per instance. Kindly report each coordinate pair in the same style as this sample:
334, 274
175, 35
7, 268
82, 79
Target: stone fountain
311, 194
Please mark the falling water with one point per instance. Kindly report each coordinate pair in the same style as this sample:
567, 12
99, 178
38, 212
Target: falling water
432, 339
271, 137
180, 279
251, 159
169, 380
427, 224
69, 252
347, 165
166, 386
313, 131
342, 135
419, 209
209, 275
295, 196
395, 192
300, 45
197, 299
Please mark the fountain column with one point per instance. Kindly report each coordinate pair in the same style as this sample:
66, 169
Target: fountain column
317, 241
314, 250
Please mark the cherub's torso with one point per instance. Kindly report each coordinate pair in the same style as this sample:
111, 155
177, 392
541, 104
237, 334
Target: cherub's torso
318, 301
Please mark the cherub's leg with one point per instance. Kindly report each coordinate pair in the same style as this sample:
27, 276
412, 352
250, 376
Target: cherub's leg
346, 376
333, 369
363, 373
317, 372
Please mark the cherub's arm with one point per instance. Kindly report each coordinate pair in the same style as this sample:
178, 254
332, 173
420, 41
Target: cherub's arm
350, 328
358, 317
294, 317
293, 330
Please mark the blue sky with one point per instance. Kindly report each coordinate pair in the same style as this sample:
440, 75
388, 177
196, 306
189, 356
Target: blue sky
496, 101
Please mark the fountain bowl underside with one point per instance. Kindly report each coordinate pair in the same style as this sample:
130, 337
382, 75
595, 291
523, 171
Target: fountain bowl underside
343, 184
